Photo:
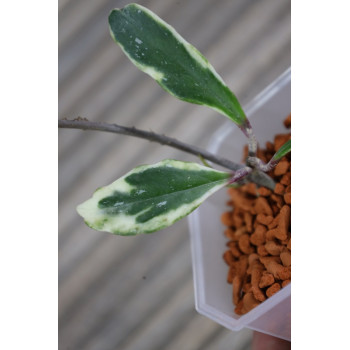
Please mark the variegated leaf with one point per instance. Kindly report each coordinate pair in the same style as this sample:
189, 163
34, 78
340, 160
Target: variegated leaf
158, 50
151, 197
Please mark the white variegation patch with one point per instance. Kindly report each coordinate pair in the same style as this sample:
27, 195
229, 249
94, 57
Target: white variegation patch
155, 74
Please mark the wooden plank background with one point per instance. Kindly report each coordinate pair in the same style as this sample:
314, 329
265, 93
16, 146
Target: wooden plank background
137, 292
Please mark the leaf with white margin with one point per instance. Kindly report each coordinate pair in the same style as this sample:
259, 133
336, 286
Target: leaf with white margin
151, 197
179, 68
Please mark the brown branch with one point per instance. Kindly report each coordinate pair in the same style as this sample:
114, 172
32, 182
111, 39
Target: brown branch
259, 177
148, 135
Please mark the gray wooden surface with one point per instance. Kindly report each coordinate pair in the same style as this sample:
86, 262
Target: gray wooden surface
137, 292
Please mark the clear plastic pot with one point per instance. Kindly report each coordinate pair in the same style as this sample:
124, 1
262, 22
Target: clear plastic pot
213, 295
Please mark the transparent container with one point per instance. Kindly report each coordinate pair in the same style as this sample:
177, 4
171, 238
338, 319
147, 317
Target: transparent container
213, 295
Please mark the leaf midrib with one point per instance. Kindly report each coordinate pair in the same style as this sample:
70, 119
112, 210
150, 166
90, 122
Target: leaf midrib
167, 194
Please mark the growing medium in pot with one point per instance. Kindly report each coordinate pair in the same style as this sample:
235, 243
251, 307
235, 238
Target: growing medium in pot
258, 229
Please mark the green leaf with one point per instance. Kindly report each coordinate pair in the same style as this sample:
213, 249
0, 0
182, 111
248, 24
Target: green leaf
158, 50
282, 151
151, 197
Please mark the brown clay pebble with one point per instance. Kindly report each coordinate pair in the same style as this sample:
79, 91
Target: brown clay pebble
272, 266
264, 219
285, 283
283, 223
281, 168
249, 188
286, 179
237, 282
230, 275
244, 244
266, 280
262, 206
286, 258
229, 233
234, 249
263, 191
257, 270
252, 257
278, 200
273, 248
273, 289
226, 218
279, 189
287, 198
284, 242
246, 287
268, 259
238, 233
288, 121
274, 222
271, 234
237, 219
275, 209
228, 257
258, 237
239, 307
280, 233
262, 251
279, 271
249, 302
240, 201
248, 219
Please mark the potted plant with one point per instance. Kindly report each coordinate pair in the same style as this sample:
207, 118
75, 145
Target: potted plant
212, 296
152, 197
